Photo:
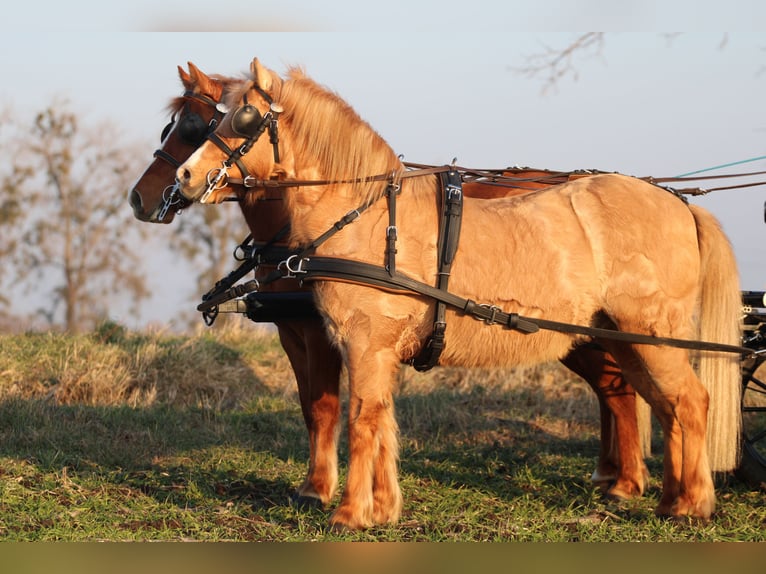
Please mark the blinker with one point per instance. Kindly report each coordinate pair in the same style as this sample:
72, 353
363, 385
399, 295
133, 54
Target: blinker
246, 121
192, 129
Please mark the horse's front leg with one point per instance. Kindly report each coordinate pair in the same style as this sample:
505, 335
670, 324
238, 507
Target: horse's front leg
372, 494
324, 367
316, 364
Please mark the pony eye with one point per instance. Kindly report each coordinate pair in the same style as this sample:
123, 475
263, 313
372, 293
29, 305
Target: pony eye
246, 121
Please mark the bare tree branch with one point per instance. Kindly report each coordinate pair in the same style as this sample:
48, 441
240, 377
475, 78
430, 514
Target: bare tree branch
553, 64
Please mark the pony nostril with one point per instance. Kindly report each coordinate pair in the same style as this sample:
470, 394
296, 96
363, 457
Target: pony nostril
135, 200
186, 175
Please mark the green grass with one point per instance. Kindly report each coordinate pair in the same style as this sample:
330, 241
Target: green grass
201, 438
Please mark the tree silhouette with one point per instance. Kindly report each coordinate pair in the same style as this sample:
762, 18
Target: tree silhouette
65, 226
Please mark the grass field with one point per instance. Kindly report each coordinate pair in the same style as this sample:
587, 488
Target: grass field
119, 436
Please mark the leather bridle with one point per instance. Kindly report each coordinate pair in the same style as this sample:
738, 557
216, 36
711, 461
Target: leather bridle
248, 123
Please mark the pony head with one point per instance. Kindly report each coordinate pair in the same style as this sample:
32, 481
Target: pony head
249, 127
285, 129
194, 116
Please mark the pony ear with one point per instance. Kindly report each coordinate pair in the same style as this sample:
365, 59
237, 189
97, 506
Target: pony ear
195, 72
204, 83
261, 75
185, 77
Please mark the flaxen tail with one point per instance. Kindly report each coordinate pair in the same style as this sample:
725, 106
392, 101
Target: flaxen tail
719, 321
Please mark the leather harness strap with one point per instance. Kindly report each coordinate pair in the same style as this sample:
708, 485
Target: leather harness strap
328, 268
449, 235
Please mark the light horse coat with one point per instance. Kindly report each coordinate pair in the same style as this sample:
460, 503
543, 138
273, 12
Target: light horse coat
620, 470
608, 250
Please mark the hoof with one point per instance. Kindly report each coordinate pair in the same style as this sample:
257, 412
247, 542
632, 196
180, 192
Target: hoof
620, 491
686, 520
303, 502
684, 514
343, 520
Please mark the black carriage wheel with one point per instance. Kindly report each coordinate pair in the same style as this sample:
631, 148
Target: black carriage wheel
752, 468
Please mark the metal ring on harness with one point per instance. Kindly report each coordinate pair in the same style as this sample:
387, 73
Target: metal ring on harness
217, 178
169, 200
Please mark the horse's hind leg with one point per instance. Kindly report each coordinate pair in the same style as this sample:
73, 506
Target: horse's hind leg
665, 378
621, 471
317, 366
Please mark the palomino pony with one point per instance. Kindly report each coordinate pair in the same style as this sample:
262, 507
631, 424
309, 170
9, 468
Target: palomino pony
621, 471
607, 251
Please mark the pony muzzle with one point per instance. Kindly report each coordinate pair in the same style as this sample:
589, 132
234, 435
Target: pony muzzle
217, 178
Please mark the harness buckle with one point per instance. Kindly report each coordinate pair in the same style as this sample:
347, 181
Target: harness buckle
454, 192
250, 181
493, 311
292, 270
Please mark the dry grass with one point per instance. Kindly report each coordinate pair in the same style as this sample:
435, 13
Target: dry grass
112, 367
226, 368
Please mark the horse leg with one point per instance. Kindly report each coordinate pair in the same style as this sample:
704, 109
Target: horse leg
324, 365
665, 378
317, 367
372, 494
621, 472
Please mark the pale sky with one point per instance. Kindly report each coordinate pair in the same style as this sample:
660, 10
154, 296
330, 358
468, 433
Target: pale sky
436, 83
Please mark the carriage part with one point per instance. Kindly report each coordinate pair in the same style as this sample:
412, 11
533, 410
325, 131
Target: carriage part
271, 307
752, 467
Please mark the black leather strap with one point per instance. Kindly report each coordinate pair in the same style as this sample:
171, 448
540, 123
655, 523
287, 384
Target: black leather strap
326, 268
449, 236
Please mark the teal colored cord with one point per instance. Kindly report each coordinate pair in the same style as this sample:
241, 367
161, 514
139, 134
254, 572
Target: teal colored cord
721, 166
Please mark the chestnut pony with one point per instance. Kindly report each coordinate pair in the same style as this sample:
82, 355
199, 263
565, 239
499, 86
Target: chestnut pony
609, 251
620, 472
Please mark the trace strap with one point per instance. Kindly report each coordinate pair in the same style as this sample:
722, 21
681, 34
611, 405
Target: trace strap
329, 268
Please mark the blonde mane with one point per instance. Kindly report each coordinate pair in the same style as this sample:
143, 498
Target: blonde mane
327, 132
